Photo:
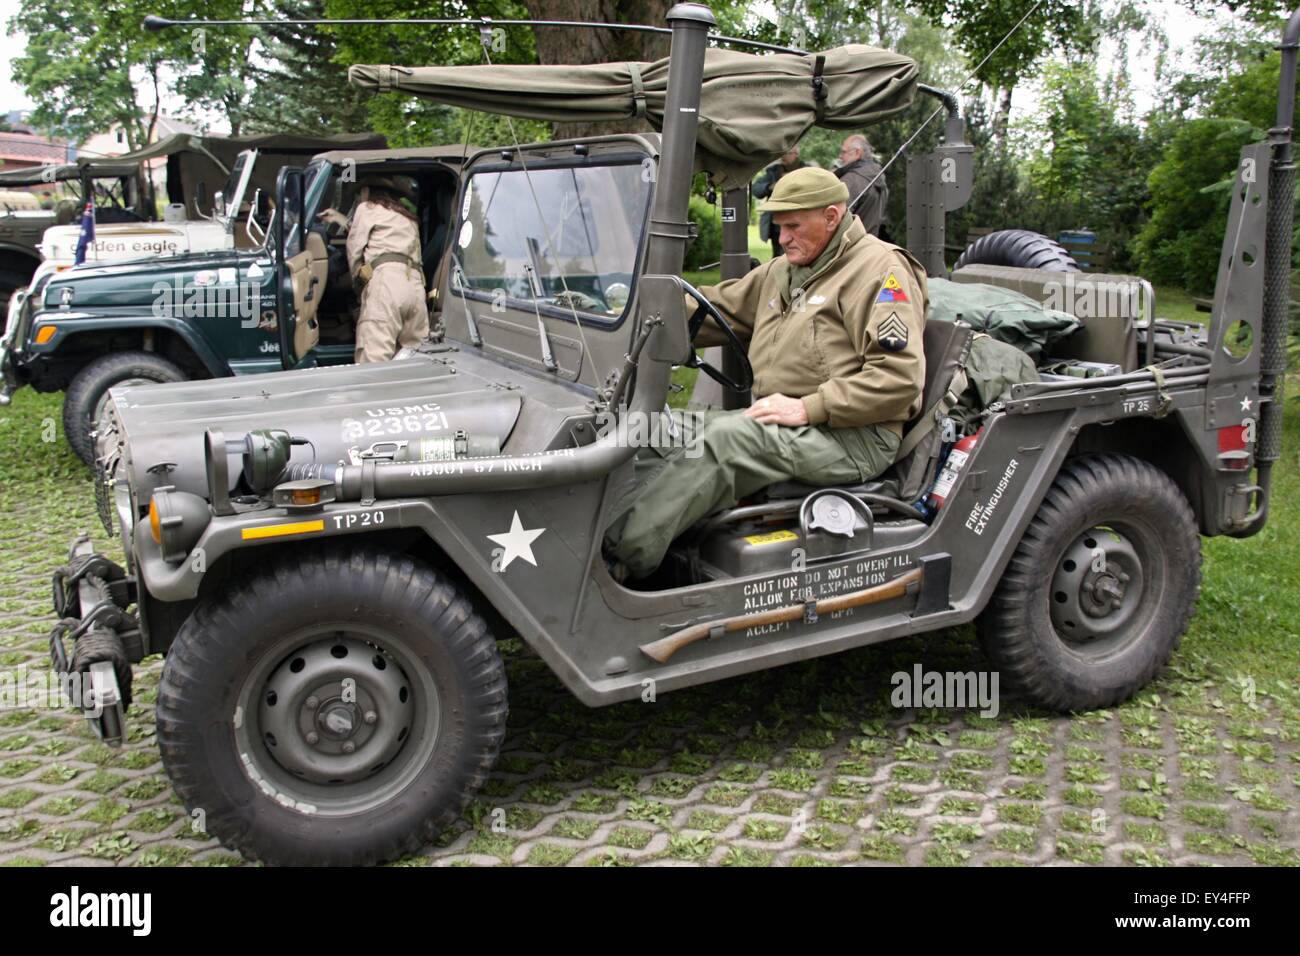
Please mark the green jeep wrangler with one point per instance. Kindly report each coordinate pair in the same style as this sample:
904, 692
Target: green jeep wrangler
215, 312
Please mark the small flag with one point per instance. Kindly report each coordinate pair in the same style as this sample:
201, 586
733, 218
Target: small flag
87, 235
891, 291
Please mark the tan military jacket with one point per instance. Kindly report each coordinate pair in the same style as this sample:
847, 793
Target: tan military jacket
375, 229
849, 346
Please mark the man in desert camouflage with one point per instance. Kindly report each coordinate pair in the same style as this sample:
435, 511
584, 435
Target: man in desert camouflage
384, 259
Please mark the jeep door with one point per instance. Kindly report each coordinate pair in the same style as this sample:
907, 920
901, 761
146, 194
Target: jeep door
306, 249
302, 266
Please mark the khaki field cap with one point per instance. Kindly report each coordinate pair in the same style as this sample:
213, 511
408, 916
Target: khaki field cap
807, 188
398, 186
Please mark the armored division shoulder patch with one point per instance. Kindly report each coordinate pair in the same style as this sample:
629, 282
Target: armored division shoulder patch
892, 290
892, 333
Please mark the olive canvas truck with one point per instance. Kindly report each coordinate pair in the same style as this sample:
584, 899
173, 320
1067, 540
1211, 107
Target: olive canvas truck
211, 313
327, 556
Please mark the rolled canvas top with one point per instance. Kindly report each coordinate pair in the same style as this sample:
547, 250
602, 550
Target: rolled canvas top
752, 108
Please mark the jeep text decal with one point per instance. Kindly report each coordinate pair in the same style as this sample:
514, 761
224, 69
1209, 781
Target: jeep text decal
980, 515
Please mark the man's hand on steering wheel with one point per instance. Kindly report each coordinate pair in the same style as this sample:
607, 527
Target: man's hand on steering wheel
706, 309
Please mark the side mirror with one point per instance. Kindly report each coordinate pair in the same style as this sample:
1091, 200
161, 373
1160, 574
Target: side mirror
218, 203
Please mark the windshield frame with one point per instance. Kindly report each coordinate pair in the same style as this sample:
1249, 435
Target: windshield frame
311, 174
229, 218
531, 306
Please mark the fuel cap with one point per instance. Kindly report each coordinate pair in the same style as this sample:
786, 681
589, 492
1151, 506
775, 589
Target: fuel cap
834, 515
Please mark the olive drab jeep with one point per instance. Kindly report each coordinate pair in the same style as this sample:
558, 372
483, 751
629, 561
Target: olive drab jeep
216, 312
327, 556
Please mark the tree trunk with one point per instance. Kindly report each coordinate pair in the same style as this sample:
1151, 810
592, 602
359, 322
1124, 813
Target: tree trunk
1002, 117
576, 45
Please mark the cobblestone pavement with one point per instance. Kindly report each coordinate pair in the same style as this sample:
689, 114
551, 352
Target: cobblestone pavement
806, 765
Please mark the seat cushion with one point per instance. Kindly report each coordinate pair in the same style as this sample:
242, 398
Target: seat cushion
797, 489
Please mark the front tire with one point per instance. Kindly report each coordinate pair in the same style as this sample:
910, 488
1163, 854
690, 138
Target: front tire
88, 392
1101, 588
258, 731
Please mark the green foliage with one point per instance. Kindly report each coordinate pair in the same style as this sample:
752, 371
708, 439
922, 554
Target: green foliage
1189, 206
1090, 168
1010, 37
90, 65
707, 245
406, 120
1001, 195
302, 88
78, 62
1180, 244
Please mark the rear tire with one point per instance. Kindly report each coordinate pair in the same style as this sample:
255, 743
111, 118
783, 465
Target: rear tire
1021, 248
254, 675
1101, 588
88, 391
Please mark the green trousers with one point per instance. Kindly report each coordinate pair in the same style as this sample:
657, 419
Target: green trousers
727, 458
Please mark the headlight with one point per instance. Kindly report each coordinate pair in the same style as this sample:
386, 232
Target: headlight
176, 521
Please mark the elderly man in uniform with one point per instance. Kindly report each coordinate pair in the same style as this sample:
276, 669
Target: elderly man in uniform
834, 330
860, 171
384, 260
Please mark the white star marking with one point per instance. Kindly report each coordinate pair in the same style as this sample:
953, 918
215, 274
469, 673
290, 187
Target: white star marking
1245, 404
517, 542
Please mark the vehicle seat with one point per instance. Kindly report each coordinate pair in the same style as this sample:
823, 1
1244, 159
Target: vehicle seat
947, 345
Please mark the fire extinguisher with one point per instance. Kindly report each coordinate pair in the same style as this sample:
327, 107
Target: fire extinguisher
952, 466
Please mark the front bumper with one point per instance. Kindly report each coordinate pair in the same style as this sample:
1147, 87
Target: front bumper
96, 638
9, 381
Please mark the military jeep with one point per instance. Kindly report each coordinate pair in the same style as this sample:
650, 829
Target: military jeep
132, 221
213, 312
326, 556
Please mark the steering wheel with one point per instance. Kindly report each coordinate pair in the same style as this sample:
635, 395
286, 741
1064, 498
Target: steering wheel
707, 309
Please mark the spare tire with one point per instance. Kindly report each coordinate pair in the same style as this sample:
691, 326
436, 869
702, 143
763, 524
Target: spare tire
1020, 248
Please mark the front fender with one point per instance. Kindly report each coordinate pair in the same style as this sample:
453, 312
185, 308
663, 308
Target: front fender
69, 325
181, 581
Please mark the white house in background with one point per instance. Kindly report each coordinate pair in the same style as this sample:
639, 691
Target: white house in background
113, 142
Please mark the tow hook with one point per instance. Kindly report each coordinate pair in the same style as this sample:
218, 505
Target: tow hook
88, 646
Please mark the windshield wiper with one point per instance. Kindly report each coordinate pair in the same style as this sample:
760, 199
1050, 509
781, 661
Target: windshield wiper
534, 272
458, 277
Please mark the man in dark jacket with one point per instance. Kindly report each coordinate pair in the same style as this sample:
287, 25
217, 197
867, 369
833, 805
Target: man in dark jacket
858, 170
762, 188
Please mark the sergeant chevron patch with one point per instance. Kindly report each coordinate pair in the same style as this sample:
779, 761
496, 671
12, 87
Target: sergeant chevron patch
892, 333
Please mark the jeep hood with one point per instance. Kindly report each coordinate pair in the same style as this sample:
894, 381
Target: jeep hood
337, 409
133, 282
